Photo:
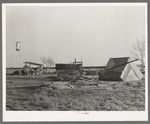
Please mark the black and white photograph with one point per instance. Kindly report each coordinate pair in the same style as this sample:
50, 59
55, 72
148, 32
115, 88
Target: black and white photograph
75, 61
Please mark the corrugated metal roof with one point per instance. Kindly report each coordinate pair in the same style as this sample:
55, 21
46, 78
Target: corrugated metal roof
33, 63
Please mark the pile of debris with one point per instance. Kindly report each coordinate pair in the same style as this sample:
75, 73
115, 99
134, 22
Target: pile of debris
18, 72
54, 78
55, 85
85, 82
57, 78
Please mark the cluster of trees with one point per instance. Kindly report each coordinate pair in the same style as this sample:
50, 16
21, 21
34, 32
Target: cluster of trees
49, 62
138, 52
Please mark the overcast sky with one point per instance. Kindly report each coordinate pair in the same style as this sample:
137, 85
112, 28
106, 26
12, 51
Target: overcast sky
91, 33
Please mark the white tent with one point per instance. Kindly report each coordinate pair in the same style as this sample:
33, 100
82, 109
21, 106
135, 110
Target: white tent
131, 72
121, 69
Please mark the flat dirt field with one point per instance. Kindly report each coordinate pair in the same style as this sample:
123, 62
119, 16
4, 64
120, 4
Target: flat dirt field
84, 94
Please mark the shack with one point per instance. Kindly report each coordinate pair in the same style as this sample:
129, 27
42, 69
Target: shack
92, 70
68, 71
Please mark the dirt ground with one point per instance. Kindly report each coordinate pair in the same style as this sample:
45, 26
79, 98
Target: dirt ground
83, 94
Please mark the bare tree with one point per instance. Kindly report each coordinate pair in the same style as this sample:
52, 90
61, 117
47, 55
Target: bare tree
138, 52
48, 62
44, 60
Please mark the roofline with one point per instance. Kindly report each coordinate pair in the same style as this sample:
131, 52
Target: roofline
94, 67
33, 63
68, 64
49, 67
119, 57
121, 64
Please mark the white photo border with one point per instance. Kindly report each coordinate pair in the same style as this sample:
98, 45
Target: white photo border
42, 116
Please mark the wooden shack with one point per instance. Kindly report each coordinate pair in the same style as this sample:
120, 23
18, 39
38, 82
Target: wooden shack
92, 70
68, 71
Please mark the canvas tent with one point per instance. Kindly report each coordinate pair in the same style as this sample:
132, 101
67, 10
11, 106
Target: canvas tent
123, 69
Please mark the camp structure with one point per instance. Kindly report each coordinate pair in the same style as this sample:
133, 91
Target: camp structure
29, 65
92, 70
121, 69
68, 71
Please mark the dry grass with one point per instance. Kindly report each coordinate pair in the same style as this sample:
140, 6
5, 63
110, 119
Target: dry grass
124, 96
